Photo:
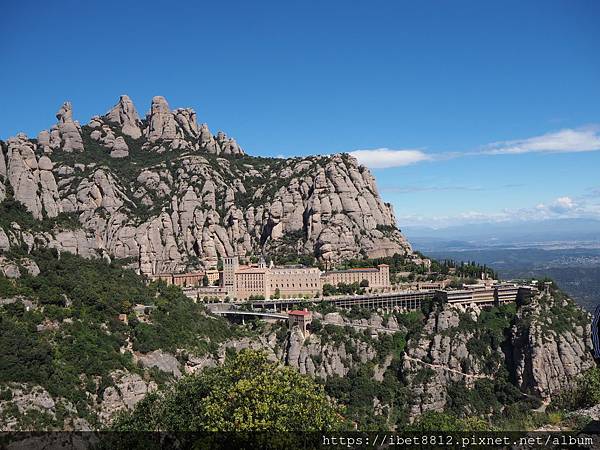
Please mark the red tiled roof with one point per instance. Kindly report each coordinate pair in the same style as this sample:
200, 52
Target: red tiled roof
298, 312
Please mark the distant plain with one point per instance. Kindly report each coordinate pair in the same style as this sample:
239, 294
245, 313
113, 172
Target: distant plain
568, 251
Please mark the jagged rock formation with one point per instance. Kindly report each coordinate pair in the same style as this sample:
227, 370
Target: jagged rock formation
324, 359
542, 350
2, 177
126, 117
439, 356
66, 134
31, 178
162, 361
127, 391
169, 194
37, 403
12, 269
551, 345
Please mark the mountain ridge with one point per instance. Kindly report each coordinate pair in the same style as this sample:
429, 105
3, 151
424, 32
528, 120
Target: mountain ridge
166, 192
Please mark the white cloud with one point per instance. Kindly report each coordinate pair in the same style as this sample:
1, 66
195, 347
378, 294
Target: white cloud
563, 205
560, 208
568, 140
564, 141
383, 158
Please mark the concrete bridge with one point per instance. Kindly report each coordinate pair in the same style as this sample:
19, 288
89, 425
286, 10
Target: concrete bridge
241, 313
228, 309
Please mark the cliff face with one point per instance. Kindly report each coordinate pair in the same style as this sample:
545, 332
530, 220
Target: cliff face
551, 345
168, 193
540, 348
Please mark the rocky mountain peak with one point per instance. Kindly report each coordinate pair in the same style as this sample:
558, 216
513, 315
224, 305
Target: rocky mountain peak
186, 118
65, 113
161, 123
66, 134
126, 116
207, 141
204, 201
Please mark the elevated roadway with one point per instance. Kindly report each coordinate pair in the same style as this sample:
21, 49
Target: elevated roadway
407, 300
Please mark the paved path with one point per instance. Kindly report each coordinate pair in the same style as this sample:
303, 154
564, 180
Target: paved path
448, 369
362, 327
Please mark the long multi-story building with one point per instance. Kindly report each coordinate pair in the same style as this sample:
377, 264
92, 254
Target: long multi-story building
376, 277
483, 294
181, 279
290, 281
243, 282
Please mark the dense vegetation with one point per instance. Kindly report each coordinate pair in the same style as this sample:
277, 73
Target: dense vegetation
585, 392
12, 211
70, 334
247, 393
345, 288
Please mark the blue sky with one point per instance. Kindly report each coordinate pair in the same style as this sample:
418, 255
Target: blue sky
436, 83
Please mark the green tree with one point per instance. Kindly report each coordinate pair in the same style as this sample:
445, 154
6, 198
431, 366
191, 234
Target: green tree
205, 281
590, 386
247, 393
329, 289
433, 421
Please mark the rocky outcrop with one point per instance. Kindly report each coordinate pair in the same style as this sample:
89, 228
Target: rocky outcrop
105, 136
439, 356
551, 346
8, 268
127, 391
68, 129
125, 116
162, 361
161, 122
543, 351
207, 141
35, 403
186, 118
31, 178
202, 202
4, 240
2, 175
228, 145
12, 268
310, 355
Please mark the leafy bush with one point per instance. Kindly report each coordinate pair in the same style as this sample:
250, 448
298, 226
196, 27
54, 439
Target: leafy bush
247, 393
584, 393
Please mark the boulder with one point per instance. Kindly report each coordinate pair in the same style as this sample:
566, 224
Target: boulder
119, 149
162, 361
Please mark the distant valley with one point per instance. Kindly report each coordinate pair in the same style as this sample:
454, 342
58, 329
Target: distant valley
567, 251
